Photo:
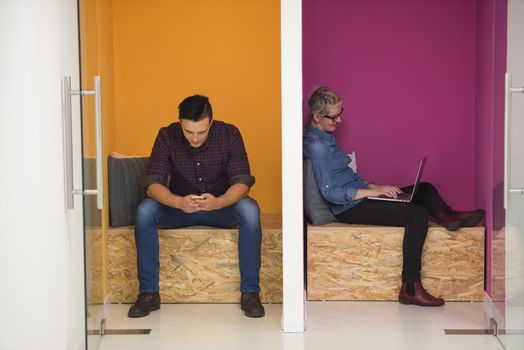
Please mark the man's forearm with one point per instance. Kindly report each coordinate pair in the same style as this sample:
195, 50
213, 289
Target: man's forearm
233, 195
163, 195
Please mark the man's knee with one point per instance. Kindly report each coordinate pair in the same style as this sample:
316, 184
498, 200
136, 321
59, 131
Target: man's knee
148, 209
247, 208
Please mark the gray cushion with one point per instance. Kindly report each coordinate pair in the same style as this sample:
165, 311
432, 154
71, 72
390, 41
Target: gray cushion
125, 188
316, 208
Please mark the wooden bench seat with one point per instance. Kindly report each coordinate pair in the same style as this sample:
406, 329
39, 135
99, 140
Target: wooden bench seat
352, 262
197, 264
344, 262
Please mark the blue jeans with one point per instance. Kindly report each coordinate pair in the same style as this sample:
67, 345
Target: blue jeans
151, 215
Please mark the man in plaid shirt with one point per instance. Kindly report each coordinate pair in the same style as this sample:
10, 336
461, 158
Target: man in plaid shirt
209, 180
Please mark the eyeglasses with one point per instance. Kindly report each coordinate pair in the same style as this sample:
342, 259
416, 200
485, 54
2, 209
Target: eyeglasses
335, 117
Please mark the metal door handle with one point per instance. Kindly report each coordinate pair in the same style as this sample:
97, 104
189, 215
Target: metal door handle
68, 143
507, 142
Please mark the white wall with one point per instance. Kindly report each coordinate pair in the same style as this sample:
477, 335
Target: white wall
38, 311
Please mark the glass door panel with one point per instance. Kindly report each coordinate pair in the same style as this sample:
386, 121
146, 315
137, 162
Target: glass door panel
93, 218
511, 333
93, 245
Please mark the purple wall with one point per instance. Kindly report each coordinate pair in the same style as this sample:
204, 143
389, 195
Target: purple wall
401, 66
434, 69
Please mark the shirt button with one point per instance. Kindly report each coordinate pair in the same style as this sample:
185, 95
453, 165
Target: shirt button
199, 179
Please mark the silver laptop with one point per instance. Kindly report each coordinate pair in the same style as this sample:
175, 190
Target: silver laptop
405, 197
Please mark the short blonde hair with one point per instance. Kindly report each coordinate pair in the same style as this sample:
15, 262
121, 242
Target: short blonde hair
321, 99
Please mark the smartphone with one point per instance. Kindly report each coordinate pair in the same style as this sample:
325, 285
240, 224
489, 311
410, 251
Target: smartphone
197, 198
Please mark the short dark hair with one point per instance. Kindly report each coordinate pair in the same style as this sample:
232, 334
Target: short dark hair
195, 108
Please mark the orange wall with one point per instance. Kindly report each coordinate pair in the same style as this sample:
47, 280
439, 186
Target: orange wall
228, 50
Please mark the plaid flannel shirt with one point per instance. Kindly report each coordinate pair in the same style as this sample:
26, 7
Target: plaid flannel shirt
213, 167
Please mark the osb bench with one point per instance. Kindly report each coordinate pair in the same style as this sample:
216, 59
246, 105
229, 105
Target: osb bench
352, 262
197, 264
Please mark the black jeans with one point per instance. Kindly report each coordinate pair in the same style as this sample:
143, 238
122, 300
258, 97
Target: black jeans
413, 216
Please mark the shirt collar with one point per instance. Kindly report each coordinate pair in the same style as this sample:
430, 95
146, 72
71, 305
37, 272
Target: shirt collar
320, 133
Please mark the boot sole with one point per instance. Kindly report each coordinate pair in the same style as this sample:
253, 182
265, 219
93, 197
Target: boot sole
409, 302
405, 301
254, 314
454, 225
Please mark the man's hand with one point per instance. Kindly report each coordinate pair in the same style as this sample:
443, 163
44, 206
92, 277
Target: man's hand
189, 203
209, 202
193, 202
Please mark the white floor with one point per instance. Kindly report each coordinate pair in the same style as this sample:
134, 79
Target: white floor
331, 325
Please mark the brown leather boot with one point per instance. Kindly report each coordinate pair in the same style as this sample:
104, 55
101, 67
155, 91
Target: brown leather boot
420, 297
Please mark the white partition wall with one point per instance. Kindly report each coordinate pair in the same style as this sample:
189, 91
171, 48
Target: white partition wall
292, 213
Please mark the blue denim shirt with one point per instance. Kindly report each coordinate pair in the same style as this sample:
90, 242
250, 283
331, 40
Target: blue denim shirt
337, 182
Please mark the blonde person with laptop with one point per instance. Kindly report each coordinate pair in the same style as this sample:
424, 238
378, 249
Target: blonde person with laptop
347, 193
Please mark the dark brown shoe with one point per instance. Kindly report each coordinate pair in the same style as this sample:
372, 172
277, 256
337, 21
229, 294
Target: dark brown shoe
461, 219
251, 305
470, 218
146, 303
418, 296
450, 222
